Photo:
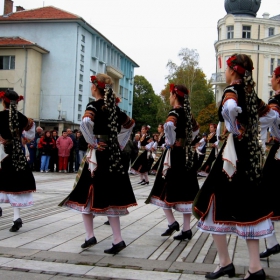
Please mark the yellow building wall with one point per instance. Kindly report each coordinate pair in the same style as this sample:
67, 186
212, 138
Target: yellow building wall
25, 79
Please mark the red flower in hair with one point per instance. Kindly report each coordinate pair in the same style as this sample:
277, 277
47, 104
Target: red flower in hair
96, 82
277, 71
2, 94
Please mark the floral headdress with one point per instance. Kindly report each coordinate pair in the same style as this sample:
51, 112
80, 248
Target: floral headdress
277, 72
175, 90
97, 83
231, 62
7, 100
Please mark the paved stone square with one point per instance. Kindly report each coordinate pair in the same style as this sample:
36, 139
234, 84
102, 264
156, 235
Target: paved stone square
48, 244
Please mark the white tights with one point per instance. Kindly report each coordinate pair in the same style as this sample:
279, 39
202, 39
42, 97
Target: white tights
171, 219
114, 223
16, 213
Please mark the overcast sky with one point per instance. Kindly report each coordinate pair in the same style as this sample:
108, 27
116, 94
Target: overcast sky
153, 31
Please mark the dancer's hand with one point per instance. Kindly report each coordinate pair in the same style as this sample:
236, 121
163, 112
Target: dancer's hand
2, 140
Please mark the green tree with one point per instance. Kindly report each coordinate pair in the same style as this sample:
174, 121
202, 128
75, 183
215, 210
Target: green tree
147, 106
206, 116
189, 74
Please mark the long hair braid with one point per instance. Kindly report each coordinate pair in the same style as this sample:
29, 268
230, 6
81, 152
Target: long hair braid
189, 152
113, 144
252, 130
18, 158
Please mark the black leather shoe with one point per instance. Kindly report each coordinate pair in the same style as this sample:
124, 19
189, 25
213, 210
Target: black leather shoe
145, 183
226, 270
259, 275
141, 182
184, 235
171, 229
272, 251
88, 243
17, 225
107, 223
116, 248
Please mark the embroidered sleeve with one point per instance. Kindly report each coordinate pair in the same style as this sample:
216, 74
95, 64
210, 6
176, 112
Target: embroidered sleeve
230, 95
89, 114
86, 128
124, 134
230, 111
263, 108
170, 134
128, 122
270, 121
29, 130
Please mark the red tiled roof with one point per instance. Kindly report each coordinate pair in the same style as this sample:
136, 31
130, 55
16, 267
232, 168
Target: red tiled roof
49, 12
13, 41
18, 42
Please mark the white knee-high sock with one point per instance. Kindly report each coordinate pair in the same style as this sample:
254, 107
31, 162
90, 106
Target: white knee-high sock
187, 222
16, 213
169, 216
146, 177
116, 229
271, 241
88, 223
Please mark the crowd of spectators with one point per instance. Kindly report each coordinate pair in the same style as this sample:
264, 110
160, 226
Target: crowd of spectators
49, 152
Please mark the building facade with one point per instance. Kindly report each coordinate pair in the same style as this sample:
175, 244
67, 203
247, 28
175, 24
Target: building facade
240, 31
74, 51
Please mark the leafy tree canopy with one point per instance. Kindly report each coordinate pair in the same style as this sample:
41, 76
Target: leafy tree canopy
206, 116
147, 106
189, 74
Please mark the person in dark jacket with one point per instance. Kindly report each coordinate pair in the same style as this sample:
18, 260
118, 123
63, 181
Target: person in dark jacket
46, 145
53, 165
72, 152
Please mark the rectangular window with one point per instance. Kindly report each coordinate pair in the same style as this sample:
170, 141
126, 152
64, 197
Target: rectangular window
104, 51
79, 117
125, 96
246, 32
121, 91
79, 107
230, 31
81, 67
7, 62
81, 77
80, 87
82, 58
278, 62
97, 47
271, 66
83, 38
271, 31
82, 48
80, 97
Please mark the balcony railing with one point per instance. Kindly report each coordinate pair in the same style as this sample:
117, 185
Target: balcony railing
218, 78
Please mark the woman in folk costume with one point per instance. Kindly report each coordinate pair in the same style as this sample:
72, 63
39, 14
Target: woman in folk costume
176, 184
270, 118
160, 148
17, 181
212, 142
141, 165
235, 204
102, 185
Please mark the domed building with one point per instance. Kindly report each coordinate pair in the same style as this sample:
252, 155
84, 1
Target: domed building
240, 31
